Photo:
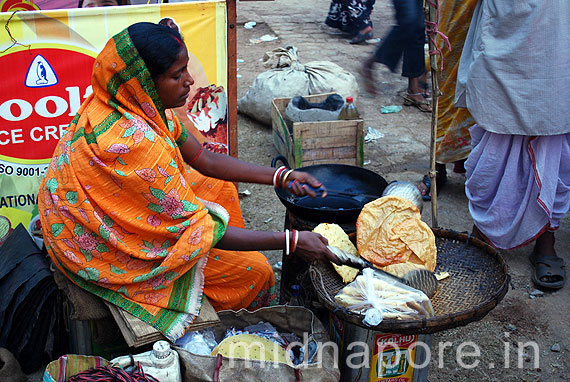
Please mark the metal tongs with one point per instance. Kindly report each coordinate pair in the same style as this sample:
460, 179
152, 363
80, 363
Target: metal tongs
322, 189
420, 279
349, 259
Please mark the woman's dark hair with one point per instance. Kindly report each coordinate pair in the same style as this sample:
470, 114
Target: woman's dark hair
158, 46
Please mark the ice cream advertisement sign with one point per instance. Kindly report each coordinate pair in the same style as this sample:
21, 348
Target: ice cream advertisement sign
42, 88
46, 61
41, 94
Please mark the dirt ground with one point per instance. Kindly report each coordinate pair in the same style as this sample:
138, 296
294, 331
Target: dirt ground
403, 154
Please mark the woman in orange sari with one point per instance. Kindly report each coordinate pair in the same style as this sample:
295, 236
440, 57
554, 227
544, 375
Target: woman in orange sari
126, 219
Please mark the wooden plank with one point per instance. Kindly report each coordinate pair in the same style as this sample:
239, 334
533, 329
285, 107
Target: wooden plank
298, 144
282, 138
331, 128
138, 333
232, 77
340, 141
360, 144
348, 161
317, 154
348, 134
281, 104
325, 126
345, 152
331, 153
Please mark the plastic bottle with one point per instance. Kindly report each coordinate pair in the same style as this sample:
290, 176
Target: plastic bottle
161, 362
349, 110
295, 291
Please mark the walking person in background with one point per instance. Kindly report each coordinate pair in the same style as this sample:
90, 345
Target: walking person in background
513, 77
453, 142
352, 17
406, 40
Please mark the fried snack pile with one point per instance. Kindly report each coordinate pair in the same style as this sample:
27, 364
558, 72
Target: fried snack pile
338, 238
391, 299
391, 235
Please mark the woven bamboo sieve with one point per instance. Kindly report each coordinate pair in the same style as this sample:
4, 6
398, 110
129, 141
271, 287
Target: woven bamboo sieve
478, 281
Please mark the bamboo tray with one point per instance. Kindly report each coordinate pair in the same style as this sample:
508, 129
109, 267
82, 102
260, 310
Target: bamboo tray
478, 282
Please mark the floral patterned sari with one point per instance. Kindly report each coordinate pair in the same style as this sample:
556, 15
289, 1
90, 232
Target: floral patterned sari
125, 218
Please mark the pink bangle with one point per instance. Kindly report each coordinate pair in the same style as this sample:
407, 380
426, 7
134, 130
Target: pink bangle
197, 155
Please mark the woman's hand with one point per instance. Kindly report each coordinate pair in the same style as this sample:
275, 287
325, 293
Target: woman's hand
301, 183
313, 246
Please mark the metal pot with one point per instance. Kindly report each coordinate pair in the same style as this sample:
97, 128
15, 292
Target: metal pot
335, 207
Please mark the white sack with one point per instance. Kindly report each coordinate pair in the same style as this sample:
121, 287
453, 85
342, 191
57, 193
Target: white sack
288, 78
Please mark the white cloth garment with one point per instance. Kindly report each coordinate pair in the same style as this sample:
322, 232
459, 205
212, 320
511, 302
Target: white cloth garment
514, 73
517, 185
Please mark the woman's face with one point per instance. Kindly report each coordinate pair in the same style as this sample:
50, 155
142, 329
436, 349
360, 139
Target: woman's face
100, 3
173, 86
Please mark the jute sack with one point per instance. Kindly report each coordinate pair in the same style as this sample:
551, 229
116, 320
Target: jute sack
286, 319
288, 77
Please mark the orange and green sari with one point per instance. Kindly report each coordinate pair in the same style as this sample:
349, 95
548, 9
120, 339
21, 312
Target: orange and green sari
125, 218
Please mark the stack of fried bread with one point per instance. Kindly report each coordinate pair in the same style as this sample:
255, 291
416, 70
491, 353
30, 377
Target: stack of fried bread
391, 235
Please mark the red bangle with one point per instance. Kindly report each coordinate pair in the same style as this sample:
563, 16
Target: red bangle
277, 176
294, 240
197, 155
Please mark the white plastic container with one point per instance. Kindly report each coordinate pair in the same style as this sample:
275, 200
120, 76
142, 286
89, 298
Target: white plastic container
161, 362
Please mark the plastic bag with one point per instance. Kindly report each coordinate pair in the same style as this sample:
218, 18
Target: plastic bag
288, 78
378, 297
198, 342
301, 110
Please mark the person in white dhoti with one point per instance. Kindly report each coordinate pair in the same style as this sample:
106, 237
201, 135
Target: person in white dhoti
514, 78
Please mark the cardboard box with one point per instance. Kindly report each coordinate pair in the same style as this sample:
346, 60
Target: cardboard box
311, 143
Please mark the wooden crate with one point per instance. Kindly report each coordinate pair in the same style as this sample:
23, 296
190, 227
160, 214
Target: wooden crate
309, 143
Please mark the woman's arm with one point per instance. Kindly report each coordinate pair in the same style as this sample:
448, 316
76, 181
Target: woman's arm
225, 167
310, 246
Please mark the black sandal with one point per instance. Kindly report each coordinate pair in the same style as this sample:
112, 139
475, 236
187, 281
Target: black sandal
361, 37
549, 267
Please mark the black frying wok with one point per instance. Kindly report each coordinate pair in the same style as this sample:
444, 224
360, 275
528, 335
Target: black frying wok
334, 208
